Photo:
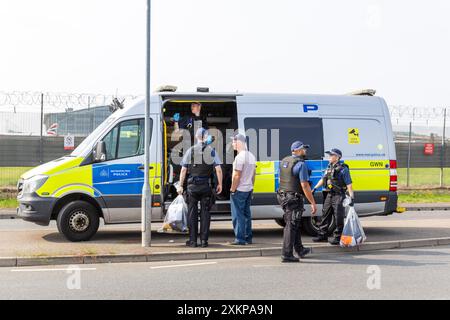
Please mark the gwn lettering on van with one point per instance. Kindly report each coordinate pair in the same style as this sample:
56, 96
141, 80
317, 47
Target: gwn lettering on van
377, 164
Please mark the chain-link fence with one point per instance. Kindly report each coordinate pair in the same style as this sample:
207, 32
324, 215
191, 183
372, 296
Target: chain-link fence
34, 127
422, 141
39, 127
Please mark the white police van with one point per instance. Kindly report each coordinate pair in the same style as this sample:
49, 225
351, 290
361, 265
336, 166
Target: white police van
79, 189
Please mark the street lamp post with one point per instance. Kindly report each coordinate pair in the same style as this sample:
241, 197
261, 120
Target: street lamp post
146, 190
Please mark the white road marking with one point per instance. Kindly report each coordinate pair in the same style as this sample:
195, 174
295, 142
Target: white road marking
51, 270
268, 265
184, 265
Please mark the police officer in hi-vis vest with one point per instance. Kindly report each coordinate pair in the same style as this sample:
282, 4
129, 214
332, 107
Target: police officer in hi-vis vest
337, 182
198, 165
294, 186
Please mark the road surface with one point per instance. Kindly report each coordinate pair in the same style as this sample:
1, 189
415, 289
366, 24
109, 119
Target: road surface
395, 274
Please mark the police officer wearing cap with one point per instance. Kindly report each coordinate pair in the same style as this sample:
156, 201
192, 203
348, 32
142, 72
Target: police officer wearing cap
337, 182
198, 165
294, 187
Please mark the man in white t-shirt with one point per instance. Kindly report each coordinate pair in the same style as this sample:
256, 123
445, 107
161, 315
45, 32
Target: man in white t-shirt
244, 171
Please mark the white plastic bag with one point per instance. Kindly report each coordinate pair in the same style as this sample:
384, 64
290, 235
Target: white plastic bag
176, 217
353, 233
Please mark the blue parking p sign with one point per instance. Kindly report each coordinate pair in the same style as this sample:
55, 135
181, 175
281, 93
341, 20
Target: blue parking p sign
310, 108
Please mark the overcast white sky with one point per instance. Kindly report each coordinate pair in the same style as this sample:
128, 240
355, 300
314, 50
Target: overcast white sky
399, 47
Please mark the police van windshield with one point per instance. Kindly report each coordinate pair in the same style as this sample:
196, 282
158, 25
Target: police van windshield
87, 143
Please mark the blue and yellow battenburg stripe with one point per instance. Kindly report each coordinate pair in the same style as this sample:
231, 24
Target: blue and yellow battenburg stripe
105, 179
268, 174
127, 179
367, 175
98, 179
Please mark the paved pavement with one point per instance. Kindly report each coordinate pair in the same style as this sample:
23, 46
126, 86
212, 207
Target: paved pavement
437, 206
395, 274
8, 214
19, 238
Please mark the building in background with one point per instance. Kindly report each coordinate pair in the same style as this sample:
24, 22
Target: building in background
79, 123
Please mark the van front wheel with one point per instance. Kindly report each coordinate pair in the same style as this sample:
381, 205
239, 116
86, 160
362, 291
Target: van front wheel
78, 221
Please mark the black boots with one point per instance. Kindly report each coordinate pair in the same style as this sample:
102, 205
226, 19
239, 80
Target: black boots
191, 244
320, 238
303, 252
289, 259
335, 241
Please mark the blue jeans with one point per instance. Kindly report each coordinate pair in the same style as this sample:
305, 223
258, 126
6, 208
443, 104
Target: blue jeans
241, 216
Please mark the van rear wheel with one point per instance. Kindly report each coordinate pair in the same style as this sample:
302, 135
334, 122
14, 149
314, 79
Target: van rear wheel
310, 226
281, 222
78, 221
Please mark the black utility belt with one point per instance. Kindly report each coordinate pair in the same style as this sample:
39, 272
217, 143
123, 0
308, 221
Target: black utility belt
198, 182
336, 193
297, 194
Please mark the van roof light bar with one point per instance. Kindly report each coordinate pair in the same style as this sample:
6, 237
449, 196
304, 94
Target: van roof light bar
364, 92
203, 89
167, 88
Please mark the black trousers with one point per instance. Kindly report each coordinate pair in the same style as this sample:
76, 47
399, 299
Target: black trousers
199, 193
293, 207
333, 206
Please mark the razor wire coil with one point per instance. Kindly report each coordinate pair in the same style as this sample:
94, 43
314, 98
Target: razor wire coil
19, 99
411, 113
60, 100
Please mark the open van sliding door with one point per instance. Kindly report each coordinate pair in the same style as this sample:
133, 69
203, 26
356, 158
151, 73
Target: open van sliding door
221, 115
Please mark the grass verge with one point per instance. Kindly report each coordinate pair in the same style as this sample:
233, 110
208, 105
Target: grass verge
8, 204
10, 175
434, 196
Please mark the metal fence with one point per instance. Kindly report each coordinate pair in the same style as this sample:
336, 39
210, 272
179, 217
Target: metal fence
53, 114
33, 127
422, 146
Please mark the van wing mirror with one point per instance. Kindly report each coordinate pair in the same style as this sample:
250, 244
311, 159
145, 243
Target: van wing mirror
99, 152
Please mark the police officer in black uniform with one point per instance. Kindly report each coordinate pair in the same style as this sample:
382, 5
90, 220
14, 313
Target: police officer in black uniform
294, 186
198, 165
192, 122
337, 182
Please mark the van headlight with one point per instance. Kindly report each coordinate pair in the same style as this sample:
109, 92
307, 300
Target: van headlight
33, 184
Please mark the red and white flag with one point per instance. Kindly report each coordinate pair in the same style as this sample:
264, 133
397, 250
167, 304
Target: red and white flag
53, 130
